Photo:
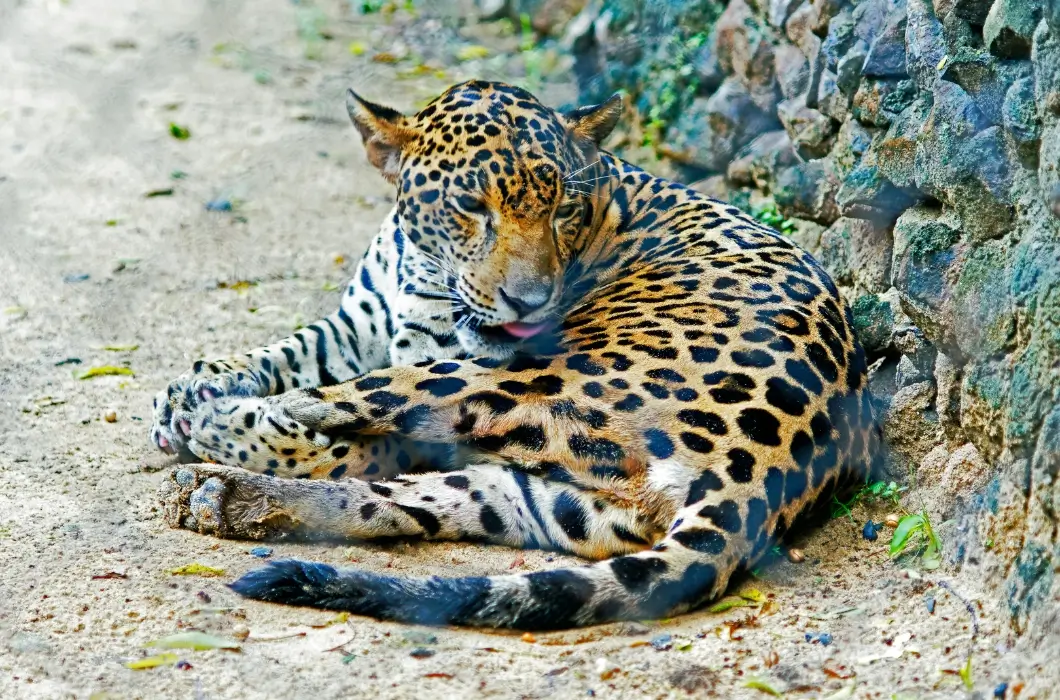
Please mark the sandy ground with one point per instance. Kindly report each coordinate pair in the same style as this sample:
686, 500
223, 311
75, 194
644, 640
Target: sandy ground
87, 91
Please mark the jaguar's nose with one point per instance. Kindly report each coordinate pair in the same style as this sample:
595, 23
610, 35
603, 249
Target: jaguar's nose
526, 297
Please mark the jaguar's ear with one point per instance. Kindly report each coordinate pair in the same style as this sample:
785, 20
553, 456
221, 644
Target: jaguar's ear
595, 122
384, 131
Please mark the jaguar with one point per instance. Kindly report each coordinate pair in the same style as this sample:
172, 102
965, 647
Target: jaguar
544, 346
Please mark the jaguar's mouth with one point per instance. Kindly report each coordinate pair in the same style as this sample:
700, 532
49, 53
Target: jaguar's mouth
512, 332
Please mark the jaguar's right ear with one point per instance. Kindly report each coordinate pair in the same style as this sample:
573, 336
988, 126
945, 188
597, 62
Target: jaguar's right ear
384, 131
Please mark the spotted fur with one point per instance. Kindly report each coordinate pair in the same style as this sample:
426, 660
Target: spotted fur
544, 346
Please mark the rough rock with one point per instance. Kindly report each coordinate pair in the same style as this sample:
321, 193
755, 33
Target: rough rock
948, 398
713, 129
756, 163
874, 317
867, 194
879, 101
793, 71
886, 58
807, 191
858, 251
973, 11
925, 43
1009, 27
1019, 114
811, 133
927, 254
985, 79
963, 161
911, 427
896, 155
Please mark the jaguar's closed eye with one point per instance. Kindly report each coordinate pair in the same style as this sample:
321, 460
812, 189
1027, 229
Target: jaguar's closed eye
566, 211
471, 205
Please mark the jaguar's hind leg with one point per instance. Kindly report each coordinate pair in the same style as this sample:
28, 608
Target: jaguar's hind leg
496, 503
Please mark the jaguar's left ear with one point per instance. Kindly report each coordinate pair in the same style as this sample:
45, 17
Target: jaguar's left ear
383, 130
595, 122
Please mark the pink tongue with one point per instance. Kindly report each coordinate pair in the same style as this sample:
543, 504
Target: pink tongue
524, 330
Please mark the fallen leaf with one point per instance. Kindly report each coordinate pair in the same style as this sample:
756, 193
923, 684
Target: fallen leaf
834, 669
152, 662
752, 594
764, 686
161, 192
109, 574
239, 285
196, 569
447, 676
385, 57
610, 673
337, 620
198, 641
103, 371
517, 562
727, 604
472, 52
181, 133
640, 643
121, 348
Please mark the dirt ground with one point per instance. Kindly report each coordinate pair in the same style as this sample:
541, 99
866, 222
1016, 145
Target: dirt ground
88, 89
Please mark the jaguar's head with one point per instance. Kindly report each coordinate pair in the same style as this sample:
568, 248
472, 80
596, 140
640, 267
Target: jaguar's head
494, 191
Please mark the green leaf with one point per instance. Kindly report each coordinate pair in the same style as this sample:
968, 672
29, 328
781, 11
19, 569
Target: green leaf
197, 569
181, 133
105, 370
727, 604
167, 659
907, 526
966, 673
198, 641
764, 686
121, 348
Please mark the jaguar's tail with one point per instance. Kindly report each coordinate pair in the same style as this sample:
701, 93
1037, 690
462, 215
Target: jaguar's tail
646, 585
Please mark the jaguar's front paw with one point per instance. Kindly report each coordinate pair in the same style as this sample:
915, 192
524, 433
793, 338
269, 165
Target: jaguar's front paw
175, 406
257, 434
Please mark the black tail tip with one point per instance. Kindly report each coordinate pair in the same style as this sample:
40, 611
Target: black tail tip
286, 581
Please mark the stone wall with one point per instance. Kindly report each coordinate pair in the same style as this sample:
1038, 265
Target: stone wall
913, 146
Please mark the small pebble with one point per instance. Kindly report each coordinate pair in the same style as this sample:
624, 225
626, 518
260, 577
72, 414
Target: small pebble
1000, 690
891, 520
528, 638
203, 596
870, 530
796, 556
419, 637
822, 638
422, 653
111, 416
241, 632
662, 642
183, 666
632, 629
219, 205
261, 552
930, 603
75, 278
